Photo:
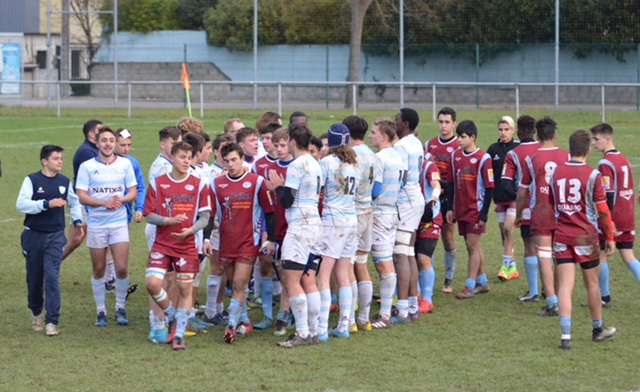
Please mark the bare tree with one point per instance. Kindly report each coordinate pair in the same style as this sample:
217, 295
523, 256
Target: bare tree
88, 23
358, 10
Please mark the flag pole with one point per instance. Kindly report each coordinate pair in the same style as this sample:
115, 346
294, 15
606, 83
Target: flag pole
186, 83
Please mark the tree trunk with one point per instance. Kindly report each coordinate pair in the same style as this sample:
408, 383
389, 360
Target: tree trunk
64, 49
358, 11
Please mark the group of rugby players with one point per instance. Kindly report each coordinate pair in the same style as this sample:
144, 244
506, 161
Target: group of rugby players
299, 216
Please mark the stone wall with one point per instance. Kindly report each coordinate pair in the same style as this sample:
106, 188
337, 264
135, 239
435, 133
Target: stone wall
156, 73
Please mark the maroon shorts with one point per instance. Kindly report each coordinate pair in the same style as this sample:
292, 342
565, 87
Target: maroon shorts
541, 232
465, 228
503, 206
227, 262
578, 253
622, 237
169, 263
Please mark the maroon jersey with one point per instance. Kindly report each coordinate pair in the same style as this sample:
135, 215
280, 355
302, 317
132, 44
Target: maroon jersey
576, 191
261, 166
240, 203
617, 176
472, 175
512, 170
430, 230
535, 176
440, 153
281, 220
169, 198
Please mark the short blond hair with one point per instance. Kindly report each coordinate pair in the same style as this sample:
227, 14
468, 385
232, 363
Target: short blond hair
190, 124
280, 134
387, 127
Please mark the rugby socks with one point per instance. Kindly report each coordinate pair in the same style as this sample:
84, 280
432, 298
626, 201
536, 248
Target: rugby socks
266, 287
334, 299
597, 324
182, 316
531, 265
220, 307
244, 313
450, 263
122, 285
325, 306
354, 302
97, 286
235, 308
413, 305
426, 280
387, 288
482, 280
213, 288
277, 287
634, 266
283, 315
300, 311
110, 272
403, 308
346, 298
313, 312
604, 280
170, 312
365, 295
552, 302
257, 289
156, 322
565, 325
470, 284
506, 261
512, 264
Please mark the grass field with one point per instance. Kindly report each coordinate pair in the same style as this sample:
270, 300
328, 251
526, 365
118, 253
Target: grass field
490, 343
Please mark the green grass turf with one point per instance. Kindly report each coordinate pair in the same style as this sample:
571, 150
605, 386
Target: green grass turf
490, 343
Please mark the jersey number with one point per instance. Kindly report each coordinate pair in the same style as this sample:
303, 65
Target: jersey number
371, 175
318, 189
574, 190
549, 167
625, 180
349, 185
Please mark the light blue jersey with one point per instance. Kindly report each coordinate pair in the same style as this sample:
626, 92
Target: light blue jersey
341, 180
103, 181
305, 177
367, 164
389, 172
162, 165
412, 154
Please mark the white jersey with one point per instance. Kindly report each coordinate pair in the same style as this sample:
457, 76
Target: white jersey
341, 180
215, 170
410, 150
162, 165
367, 164
103, 181
305, 177
389, 172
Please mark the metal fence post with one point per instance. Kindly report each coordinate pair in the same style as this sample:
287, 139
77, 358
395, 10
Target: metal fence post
129, 99
603, 108
433, 100
58, 97
354, 92
201, 100
517, 100
280, 99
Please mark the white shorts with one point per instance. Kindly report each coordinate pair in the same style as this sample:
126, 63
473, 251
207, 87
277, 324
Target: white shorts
150, 235
365, 231
300, 240
215, 239
410, 218
384, 234
102, 237
337, 242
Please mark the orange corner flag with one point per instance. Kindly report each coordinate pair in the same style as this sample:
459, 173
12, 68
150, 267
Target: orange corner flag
185, 77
